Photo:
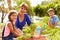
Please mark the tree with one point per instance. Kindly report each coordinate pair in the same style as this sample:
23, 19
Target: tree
2, 10
2, 13
9, 4
56, 1
45, 2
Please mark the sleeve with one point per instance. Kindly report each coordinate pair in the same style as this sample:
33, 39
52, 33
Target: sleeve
28, 19
56, 19
16, 24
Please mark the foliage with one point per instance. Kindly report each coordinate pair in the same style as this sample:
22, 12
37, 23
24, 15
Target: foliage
42, 10
54, 34
29, 29
28, 32
45, 19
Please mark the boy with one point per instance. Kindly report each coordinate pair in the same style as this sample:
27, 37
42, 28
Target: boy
53, 19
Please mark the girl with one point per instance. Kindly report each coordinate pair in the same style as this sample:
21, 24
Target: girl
9, 30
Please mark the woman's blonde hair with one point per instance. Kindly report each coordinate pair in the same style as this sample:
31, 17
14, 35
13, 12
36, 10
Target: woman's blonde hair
24, 4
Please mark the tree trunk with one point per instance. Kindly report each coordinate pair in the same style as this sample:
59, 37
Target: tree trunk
2, 9
2, 15
9, 4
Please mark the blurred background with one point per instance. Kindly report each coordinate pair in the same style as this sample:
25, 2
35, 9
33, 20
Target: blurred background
37, 9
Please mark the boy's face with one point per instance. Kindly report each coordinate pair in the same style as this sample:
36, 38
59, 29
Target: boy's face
51, 13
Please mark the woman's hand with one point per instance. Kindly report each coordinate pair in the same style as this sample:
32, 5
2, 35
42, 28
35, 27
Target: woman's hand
25, 26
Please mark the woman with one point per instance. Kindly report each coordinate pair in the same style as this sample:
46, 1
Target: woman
22, 17
9, 30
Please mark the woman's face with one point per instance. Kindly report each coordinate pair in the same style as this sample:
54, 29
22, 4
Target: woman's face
13, 16
23, 9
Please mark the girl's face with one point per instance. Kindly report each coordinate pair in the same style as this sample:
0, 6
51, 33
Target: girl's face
23, 9
13, 16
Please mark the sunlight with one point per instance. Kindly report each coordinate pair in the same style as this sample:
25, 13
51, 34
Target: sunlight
35, 2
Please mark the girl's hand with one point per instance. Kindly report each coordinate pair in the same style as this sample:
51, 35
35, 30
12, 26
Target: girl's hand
25, 26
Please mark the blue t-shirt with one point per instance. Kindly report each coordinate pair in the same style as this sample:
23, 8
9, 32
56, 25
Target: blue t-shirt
54, 19
19, 24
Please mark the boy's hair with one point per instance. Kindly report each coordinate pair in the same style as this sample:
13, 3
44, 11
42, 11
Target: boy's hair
51, 9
